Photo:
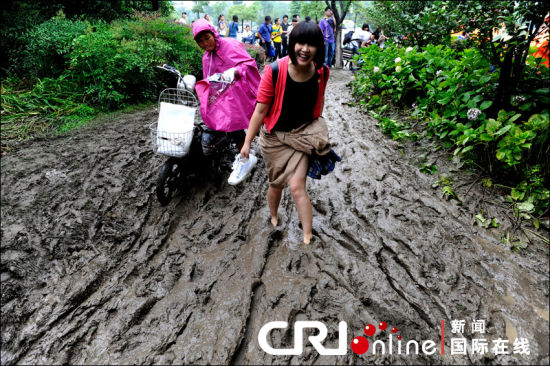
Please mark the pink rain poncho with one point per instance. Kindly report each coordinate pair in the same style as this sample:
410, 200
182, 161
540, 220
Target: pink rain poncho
226, 107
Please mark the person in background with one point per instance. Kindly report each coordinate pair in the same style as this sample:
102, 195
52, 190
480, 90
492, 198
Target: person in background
234, 27
276, 37
328, 25
308, 18
183, 19
379, 38
265, 36
292, 24
248, 36
221, 25
363, 35
370, 41
285, 25
207, 17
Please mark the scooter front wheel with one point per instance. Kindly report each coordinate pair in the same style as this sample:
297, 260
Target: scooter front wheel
171, 176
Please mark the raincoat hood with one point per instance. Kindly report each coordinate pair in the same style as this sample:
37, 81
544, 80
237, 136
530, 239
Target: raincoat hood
201, 25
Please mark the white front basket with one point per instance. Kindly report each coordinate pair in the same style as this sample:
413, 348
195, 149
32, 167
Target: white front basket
174, 130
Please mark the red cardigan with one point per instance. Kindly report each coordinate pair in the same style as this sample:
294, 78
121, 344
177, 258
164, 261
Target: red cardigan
265, 91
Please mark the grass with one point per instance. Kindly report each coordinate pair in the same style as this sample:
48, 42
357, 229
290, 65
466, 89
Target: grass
51, 108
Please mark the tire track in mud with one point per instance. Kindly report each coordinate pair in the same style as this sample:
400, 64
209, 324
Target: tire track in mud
95, 271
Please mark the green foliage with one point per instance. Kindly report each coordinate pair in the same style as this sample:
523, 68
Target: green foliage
108, 67
49, 44
19, 17
446, 184
315, 9
256, 52
50, 104
220, 7
115, 64
421, 21
395, 129
294, 8
200, 7
486, 222
451, 93
518, 23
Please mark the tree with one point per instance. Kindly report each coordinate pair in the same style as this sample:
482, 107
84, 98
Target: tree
18, 17
315, 9
252, 12
422, 22
236, 10
295, 7
199, 7
340, 9
517, 24
219, 8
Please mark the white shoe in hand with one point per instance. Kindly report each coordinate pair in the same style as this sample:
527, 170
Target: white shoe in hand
241, 168
229, 75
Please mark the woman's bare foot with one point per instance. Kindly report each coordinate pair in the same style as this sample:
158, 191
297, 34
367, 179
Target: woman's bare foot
274, 221
307, 238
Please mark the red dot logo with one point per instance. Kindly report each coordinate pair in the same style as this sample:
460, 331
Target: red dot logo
359, 345
369, 330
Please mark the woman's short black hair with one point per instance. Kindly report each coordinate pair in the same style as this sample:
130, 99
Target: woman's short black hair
310, 33
235, 18
365, 25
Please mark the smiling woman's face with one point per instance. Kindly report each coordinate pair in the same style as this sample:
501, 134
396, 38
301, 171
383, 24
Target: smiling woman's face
206, 41
304, 53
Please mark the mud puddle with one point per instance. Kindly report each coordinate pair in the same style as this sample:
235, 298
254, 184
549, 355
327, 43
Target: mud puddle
95, 271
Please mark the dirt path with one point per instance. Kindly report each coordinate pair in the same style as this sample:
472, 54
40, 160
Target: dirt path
95, 271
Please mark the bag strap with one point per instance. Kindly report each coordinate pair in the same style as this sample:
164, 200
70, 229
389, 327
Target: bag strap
274, 76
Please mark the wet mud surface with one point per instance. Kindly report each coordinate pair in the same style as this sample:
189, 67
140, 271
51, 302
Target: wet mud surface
95, 271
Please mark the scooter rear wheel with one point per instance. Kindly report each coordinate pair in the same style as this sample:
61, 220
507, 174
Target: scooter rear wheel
170, 178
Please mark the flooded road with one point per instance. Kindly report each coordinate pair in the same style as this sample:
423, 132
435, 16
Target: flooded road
95, 271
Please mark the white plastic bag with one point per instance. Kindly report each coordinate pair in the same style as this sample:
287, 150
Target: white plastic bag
175, 129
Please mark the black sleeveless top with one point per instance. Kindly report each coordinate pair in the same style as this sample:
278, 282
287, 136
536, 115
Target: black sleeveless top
298, 103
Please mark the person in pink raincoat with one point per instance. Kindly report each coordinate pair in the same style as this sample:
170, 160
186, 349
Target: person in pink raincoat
227, 106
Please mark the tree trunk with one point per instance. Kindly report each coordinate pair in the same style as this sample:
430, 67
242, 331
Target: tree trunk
338, 46
504, 92
155, 5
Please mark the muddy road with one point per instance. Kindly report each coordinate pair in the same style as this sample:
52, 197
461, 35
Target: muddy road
95, 271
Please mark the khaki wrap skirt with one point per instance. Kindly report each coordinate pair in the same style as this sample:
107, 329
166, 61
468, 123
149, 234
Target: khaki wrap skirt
283, 151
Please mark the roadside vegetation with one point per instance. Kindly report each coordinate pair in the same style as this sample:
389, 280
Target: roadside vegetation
484, 98
70, 70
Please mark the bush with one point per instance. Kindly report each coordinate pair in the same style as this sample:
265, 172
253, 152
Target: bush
107, 66
451, 92
49, 44
45, 108
116, 64
257, 53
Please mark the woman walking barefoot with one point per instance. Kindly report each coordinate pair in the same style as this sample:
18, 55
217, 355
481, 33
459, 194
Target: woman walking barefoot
294, 134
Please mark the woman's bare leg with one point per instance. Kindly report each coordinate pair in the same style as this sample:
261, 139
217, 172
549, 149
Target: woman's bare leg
273, 199
298, 190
